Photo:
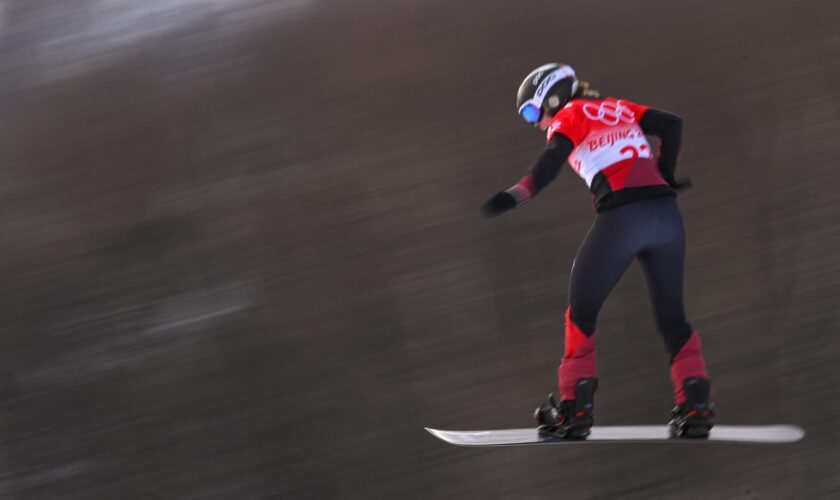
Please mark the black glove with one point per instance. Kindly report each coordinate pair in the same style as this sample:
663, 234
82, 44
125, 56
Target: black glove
500, 202
680, 184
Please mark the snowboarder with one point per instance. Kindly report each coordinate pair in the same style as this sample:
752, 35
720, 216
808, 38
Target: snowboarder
603, 139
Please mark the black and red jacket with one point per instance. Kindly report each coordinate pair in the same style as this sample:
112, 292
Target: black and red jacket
604, 142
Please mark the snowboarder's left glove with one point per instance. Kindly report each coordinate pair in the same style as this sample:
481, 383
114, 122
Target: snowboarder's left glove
499, 203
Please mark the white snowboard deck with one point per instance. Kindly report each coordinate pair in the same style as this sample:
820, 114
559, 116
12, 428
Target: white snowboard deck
766, 434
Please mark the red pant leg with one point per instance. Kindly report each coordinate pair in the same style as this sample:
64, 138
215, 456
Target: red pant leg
687, 363
578, 358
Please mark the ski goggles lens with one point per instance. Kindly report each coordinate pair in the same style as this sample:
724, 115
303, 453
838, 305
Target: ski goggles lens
530, 113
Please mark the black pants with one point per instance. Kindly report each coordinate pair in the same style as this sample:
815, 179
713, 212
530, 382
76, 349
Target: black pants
650, 230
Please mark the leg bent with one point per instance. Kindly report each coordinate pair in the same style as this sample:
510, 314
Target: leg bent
663, 265
605, 254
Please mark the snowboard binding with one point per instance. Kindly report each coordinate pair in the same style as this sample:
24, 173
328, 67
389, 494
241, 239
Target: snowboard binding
693, 418
571, 419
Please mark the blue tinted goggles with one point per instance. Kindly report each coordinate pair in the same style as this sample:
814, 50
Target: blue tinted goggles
530, 112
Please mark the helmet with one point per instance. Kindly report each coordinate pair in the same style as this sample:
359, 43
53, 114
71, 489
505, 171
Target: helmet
545, 90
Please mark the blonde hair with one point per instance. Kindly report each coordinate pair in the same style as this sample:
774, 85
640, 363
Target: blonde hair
584, 90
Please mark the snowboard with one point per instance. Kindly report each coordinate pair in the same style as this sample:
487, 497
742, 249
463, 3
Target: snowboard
762, 434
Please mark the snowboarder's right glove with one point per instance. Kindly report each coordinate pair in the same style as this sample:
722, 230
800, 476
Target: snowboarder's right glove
680, 184
499, 203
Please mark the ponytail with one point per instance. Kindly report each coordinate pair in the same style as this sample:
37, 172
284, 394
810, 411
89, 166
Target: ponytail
584, 90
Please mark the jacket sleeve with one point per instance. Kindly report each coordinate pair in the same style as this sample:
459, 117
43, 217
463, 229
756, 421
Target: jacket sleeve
668, 128
544, 170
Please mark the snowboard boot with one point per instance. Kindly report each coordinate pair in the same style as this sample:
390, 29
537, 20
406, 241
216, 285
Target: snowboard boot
572, 418
693, 418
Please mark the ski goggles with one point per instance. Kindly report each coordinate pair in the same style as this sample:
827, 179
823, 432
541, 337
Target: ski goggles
531, 110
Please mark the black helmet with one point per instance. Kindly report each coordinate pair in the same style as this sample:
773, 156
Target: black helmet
545, 90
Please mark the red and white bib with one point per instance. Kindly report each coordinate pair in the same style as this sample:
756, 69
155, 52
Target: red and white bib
607, 138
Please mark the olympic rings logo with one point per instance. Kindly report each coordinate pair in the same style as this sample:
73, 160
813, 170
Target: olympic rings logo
609, 113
